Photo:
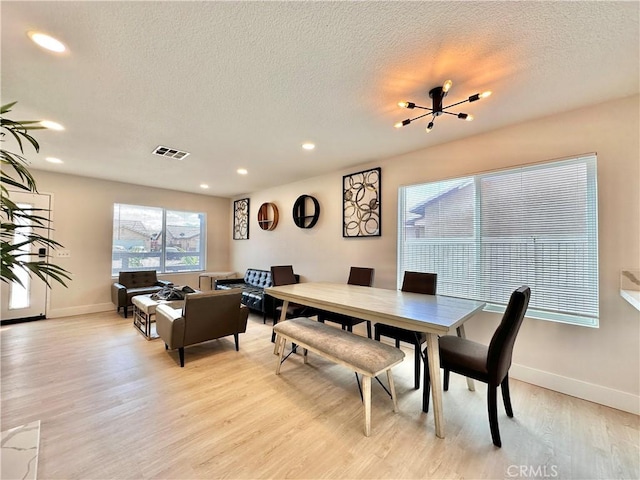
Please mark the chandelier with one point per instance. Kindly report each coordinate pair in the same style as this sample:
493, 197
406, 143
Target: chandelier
437, 95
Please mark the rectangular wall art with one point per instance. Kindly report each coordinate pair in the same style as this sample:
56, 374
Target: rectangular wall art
241, 219
361, 204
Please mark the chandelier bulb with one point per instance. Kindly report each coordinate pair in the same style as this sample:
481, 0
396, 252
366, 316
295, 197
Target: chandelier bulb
402, 123
406, 104
429, 127
485, 94
447, 85
469, 118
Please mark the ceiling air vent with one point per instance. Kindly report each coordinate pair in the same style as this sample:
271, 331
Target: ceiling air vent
170, 152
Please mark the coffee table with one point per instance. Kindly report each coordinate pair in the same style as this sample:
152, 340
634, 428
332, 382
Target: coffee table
144, 313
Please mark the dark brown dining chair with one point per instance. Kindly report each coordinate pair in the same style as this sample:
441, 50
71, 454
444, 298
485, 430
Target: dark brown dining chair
283, 275
415, 282
488, 364
357, 276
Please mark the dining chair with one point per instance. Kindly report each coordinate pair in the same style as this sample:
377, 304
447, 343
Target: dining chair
415, 282
357, 276
489, 364
283, 275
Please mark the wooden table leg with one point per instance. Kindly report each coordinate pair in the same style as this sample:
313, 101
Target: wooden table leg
433, 357
283, 317
470, 385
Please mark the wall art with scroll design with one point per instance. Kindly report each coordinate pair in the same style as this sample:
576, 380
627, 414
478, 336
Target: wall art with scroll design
241, 219
361, 215
268, 216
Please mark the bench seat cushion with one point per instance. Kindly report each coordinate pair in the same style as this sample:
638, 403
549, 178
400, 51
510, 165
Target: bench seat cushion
363, 354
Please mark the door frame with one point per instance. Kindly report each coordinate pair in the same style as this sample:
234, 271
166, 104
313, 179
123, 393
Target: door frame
47, 302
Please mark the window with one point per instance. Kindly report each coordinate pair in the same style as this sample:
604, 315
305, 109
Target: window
485, 235
149, 238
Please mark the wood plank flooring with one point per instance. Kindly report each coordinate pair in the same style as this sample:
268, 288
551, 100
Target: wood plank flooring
113, 405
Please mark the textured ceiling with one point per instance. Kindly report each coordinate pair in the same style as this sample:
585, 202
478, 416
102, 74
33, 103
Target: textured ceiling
244, 84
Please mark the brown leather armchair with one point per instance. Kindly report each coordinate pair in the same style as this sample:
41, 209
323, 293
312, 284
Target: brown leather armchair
130, 284
205, 316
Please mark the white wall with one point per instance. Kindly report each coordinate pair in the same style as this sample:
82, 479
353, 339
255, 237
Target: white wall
83, 224
600, 364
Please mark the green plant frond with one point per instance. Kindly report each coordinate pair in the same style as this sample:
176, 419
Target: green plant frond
15, 183
26, 215
12, 255
40, 269
33, 238
16, 137
9, 277
7, 107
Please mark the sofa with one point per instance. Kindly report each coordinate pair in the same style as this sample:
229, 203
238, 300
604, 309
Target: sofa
205, 316
130, 284
252, 284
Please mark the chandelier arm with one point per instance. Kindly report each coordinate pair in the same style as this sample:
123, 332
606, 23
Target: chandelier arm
450, 113
423, 108
420, 116
455, 104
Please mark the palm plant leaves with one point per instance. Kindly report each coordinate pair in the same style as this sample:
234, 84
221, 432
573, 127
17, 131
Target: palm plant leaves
13, 235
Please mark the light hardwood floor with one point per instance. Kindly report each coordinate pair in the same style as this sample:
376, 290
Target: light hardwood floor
113, 405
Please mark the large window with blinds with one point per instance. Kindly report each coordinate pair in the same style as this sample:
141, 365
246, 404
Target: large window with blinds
485, 235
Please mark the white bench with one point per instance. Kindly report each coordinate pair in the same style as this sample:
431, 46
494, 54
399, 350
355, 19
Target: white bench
363, 355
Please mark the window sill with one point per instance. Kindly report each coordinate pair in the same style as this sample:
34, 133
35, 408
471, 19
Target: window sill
555, 317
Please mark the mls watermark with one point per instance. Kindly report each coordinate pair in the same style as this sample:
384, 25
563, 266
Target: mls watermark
532, 471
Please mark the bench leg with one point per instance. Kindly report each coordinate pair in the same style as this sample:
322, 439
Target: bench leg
280, 344
366, 391
392, 389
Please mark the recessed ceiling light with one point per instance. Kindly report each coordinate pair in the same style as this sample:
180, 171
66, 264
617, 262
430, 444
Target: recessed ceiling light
51, 125
308, 146
242, 171
53, 160
46, 41
204, 185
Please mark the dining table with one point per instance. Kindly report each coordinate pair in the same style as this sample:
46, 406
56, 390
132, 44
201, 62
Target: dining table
434, 315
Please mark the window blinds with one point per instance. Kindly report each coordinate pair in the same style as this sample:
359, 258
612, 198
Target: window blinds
488, 234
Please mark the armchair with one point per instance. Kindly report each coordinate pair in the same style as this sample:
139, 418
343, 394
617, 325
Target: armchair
205, 316
130, 284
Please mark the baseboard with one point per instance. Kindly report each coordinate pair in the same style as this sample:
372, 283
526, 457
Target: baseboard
80, 310
624, 401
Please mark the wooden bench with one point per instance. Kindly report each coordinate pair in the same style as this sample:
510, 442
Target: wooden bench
363, 355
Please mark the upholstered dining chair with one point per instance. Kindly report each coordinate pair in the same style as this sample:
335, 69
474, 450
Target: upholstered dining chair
357, 276
416, 282
283, 275
489, 364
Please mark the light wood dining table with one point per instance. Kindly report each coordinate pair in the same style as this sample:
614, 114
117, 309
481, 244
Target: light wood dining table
432, 314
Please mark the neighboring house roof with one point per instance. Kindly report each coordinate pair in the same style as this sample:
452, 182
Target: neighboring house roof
135, 226
422, 206
182, 231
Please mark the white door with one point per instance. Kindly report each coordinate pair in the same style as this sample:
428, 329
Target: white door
30, 300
